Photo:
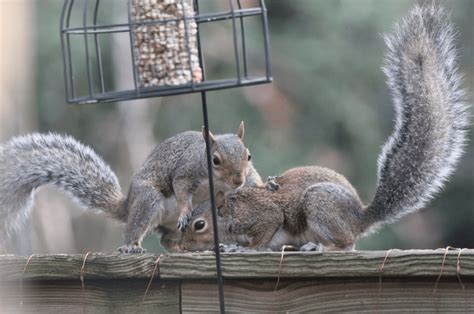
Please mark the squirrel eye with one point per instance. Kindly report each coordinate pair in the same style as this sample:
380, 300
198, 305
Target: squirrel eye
199, 225
249, 157
216, 161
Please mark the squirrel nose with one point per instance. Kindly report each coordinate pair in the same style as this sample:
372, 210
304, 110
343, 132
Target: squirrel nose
237, 180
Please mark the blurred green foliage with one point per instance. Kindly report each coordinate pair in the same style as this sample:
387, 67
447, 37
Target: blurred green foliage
328, 105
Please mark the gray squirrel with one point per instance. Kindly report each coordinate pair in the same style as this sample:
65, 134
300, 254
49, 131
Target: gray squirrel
314, 208
161, 194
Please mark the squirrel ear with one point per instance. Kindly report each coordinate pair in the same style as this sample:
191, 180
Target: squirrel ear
212, 138
241, 131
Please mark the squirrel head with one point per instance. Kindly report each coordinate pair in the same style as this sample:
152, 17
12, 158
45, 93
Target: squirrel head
230, 158
200, 235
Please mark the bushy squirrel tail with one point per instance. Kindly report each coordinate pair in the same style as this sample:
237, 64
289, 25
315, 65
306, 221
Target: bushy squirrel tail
31, 161
431, 115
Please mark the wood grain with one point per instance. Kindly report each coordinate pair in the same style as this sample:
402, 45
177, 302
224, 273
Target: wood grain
310, 282
100, 296
411, 263
333, 295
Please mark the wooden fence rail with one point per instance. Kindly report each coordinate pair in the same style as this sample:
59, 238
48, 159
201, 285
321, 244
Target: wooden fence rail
429, 280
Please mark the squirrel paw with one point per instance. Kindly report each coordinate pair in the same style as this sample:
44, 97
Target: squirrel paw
183, 222
311, 247
131, 249
233, 248
289, 248
271, 185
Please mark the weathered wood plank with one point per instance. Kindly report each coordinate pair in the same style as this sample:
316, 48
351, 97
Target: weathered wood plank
330, 295
99, 296
411, 263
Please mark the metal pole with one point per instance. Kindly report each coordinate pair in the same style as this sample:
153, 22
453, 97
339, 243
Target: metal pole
220, 278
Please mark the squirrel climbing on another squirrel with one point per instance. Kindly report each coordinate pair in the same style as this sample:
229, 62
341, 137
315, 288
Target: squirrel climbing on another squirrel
314, 208
161, 193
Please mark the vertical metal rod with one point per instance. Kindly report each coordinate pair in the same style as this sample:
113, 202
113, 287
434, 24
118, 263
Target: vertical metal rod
132, 48
236, 48
188, 47
266, 40
97, 49
68, 44
244, 48
86, 41
62, 26
220, 278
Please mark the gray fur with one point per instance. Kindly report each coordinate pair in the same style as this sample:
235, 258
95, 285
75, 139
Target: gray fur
177, 169
313, 204
31, 161
161, 193
431, 115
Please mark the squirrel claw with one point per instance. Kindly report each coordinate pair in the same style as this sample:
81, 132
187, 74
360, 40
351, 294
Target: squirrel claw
311, 247
233, 248
183, 222
271, 185
131, 249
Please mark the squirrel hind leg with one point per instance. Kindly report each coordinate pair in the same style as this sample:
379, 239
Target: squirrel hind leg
145, 210
332, 213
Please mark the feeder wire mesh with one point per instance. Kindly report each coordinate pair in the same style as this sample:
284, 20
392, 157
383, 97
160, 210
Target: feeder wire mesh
162, 48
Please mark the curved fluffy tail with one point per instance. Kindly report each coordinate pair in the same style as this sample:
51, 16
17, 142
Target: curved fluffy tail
31, 161
431, 117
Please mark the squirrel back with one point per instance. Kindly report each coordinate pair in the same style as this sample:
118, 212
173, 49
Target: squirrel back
431, 115
31, 161
184, 155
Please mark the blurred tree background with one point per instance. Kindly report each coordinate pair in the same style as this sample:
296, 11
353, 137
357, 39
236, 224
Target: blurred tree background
328, 105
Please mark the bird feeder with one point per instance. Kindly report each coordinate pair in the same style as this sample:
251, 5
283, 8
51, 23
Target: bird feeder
167, 49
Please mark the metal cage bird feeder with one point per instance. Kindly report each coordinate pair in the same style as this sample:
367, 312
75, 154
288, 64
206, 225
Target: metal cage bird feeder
167, 53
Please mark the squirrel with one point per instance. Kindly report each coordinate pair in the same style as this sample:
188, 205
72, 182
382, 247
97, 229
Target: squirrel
161, 193
314, 208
